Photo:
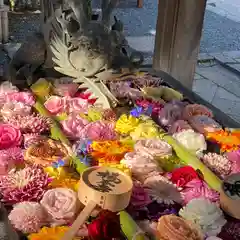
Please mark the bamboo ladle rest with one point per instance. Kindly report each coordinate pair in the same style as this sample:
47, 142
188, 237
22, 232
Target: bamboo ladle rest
104, 187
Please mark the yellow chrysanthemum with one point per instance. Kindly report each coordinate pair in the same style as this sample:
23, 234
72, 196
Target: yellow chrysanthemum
52, 233
65, 183
146, 131
62, 178
126, 124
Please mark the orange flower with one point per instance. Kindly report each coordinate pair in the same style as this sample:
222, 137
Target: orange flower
50, 233
109, 152
227, 140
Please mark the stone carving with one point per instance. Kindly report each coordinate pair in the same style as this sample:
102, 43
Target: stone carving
78, 47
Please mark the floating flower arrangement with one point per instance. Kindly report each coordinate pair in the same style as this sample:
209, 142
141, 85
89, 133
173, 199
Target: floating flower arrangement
161, 143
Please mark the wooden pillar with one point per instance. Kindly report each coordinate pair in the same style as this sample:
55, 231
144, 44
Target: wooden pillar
178, 34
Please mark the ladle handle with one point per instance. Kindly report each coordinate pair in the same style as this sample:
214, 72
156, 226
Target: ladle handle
82, 217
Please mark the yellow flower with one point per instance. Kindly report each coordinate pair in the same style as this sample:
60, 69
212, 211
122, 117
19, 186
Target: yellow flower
146, 131
51, 233
94, 114
71, 183
62, 177
126, 124
109, 152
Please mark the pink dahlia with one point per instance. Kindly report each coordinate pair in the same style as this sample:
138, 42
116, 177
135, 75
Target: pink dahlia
28, 184
14, 154
34, 123
28, 217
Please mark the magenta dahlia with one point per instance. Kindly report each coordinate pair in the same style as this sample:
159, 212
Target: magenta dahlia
28, 184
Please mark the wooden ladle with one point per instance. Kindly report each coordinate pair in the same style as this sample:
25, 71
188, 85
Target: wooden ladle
105, 187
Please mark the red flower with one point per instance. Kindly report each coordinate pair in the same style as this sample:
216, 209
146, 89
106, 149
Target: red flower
183, 175
145, 103
86, 96
106, 226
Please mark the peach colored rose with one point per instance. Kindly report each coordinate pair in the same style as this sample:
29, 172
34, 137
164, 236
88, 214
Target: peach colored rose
61, 205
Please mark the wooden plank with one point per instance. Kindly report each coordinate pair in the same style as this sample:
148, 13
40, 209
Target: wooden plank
139, 3
179, 29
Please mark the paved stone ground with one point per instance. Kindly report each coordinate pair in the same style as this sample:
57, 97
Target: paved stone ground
218, 82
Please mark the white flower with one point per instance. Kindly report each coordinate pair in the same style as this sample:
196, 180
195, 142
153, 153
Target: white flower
191, 140
162, 190
207, 215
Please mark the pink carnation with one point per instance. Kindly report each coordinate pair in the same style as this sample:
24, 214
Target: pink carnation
9, 136
28, 217
198, 189
73, 126
99, 130
23, 97
78, 105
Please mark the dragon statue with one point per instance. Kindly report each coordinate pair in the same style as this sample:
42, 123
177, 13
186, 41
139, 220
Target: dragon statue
86, 50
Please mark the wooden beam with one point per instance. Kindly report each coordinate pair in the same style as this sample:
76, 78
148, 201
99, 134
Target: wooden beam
178, 34
139, 3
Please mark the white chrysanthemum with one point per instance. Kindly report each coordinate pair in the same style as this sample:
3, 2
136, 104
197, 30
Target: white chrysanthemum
195, 142
162, 190
205, 214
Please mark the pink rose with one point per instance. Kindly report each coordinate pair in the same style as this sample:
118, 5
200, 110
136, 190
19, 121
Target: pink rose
73, 126
11, 109
23, 97
9, 136
77, 105
56, 105
99, 130
61, 205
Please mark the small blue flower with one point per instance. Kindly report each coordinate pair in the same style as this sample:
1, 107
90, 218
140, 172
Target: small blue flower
59, 163
137, 111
